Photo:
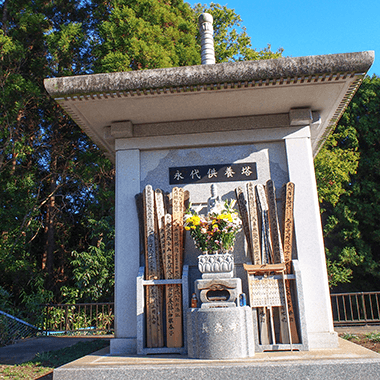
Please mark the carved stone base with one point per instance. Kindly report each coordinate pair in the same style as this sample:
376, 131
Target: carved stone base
220, 333
216, 263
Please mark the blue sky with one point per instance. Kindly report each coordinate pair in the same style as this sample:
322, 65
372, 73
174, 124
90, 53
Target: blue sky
312, 27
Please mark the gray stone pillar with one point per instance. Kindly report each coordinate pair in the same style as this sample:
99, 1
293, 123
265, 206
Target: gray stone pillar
310, 247
126, 251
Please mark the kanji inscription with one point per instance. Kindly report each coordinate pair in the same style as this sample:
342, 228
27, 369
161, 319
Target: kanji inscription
246, 171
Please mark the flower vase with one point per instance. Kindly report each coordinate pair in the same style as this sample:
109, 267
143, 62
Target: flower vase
216, 263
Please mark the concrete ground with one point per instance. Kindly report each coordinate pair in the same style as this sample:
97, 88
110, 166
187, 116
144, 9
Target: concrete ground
26, 349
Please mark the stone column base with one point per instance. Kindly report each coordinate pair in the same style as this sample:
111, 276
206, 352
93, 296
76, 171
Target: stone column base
123, 346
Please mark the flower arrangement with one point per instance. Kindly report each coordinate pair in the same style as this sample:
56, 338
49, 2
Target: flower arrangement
216, 231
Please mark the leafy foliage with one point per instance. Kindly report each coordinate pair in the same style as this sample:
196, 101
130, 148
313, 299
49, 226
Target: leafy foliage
57, 189
52, 177
231, 41
147, 34
348, 175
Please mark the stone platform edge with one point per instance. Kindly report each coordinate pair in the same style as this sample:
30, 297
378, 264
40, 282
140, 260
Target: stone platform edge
349, 361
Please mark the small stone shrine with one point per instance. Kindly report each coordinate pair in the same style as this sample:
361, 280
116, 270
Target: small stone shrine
252, 130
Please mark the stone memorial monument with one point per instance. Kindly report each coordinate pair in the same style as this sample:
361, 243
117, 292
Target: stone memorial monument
220, 321
251, 129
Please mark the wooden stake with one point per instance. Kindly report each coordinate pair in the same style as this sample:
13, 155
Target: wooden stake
288, 247
160, 212
153, 296
244, 218
288, 225
254, 223
174, 292
266, 245
278, 254
178, 204
266, 254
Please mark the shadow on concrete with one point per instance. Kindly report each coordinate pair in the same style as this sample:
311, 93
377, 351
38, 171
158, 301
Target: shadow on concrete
26, 349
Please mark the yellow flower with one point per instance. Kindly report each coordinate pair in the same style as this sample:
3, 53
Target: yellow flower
225, 216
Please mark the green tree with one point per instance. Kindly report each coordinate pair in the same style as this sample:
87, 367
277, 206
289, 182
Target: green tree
231, 41
148, 34
348, 176
56, 188
50, 171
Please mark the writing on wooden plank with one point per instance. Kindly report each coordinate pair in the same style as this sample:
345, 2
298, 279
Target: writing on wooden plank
174, 293
151, 262
154, 330
253, 223
160, 212
288, 224
288, 247
177, 205
168, 247
266, 292
266, 245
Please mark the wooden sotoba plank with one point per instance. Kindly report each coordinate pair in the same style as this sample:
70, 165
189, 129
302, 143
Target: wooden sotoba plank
174, 292
153, 296
266, 245
244, 218
288, 247
278, 254
254, 223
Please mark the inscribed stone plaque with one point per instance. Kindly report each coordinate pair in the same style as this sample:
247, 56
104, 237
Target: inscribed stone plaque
213, 173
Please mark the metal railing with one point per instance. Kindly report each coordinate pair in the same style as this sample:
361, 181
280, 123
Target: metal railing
89, 317
355, 308
12, 329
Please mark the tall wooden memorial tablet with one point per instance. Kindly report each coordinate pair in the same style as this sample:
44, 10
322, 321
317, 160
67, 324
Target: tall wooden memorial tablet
288, 246
242, 204
174, 292
266, 244
153, 297
160, 212
278, 254
253, 223
266, 258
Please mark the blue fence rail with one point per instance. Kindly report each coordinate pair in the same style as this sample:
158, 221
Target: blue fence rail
13, 328
359, 308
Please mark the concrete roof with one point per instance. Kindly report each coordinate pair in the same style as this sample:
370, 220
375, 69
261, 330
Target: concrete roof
148, 99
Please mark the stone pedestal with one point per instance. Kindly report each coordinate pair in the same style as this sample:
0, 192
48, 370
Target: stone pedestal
220, 333
211, 292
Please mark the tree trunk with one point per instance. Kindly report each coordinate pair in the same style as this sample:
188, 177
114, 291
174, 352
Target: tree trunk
48, 255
